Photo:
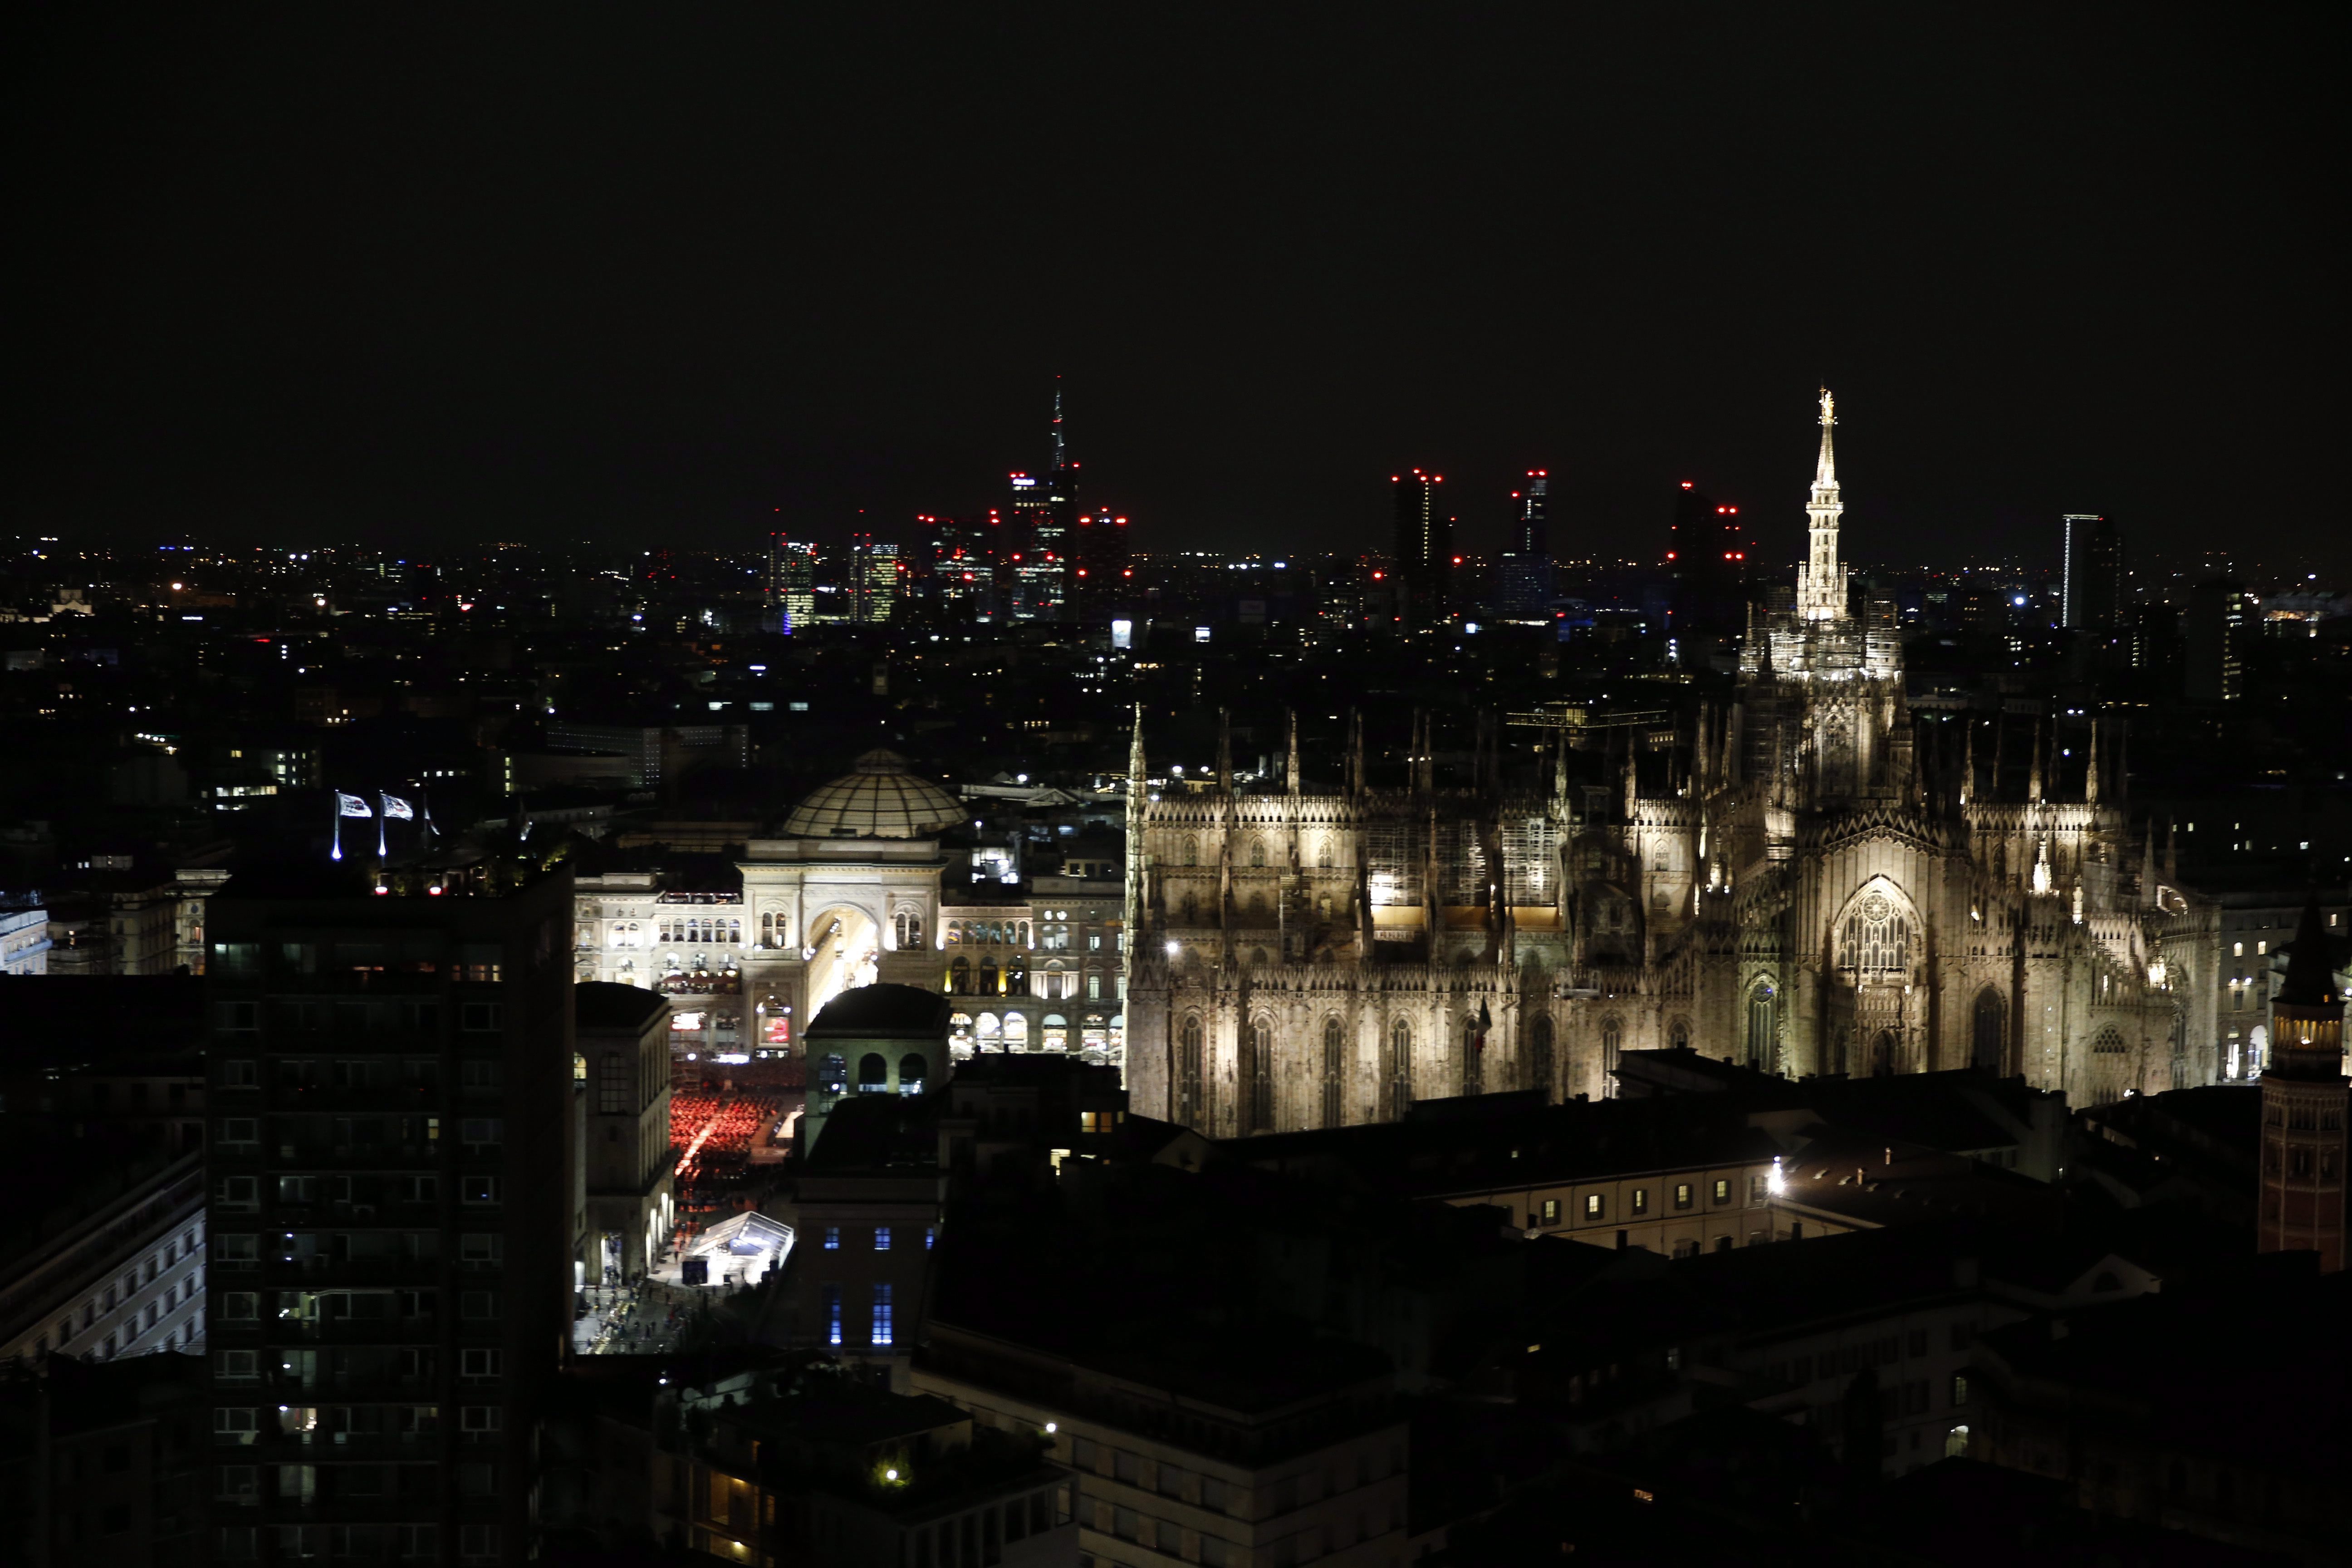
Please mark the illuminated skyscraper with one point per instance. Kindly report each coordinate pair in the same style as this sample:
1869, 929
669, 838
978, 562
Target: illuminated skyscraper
791, 582
873, 580
1531, 516
2091, 587
1523, 577
1424, 548
1044, 517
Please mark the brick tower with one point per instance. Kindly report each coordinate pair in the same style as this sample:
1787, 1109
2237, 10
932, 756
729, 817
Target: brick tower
2304, 1102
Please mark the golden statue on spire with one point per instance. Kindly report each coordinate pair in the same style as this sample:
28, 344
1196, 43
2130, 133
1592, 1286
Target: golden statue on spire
1829, 408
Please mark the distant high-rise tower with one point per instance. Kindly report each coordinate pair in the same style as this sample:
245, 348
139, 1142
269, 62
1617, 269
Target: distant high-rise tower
2091, 585
2304, 1097
791, 582
1820, 580
2213, 631
1044, 517
1098, 556
1424, 547
873, 580
1709, 558
1523, 578
1531, 527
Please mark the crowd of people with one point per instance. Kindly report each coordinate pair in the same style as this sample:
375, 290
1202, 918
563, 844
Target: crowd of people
713, 1135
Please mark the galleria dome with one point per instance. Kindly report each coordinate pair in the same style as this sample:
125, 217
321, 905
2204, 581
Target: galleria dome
878, 798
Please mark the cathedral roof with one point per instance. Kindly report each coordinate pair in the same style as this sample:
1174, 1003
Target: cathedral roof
880, 797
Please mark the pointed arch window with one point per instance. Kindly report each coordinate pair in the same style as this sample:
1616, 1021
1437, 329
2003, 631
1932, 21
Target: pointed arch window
1257, 852
1400, 1069
1191, 850
1986, 1035
1877, 941
1763, 1025
1541, 1074
1334, 1056
1612, 1040
1258, 1074
1473, 1068
1192, 1046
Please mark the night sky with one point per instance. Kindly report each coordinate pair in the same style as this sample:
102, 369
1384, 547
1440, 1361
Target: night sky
338, 273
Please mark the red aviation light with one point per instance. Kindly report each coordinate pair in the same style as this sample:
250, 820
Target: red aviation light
1670, 555
1128, 572
1458, 561
1686, 484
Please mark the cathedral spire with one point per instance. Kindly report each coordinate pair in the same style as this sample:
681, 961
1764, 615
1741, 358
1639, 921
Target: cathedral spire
1290, 779
1821, 582
1968, 761
1139, 790
1355, 751
1225, 751
2091, 778
2033, 780
1560, 763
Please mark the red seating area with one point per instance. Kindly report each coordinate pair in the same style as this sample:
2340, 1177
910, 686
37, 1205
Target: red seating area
714, 1134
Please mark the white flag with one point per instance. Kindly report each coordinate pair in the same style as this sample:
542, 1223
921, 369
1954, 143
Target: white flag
352, 805
395, 807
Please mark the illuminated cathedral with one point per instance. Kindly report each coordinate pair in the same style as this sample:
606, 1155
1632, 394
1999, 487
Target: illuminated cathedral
1809, 880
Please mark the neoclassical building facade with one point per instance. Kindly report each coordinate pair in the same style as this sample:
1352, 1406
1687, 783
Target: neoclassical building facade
1804, 878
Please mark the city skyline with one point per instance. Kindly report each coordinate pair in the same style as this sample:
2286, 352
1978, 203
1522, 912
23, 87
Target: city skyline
366, 329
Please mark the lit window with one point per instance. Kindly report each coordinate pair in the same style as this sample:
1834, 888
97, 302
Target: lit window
881, 1238
882, 1307
833, 1238
832, 1294
1595, 1205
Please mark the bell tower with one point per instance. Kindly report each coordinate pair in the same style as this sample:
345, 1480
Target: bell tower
2304, 1102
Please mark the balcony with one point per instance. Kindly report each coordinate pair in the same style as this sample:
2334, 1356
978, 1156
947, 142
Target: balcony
700, 985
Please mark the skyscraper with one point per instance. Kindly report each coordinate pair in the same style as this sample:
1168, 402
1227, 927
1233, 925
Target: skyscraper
2303, 1103
1523, 578
1424, 548
2090, 582
791, 582
1099, 559
1709, 558
1531, 516
396, 1215
1044, 516
2211, 632
873, 580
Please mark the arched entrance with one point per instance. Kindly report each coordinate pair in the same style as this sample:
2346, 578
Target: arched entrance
845, 947
1881, 1054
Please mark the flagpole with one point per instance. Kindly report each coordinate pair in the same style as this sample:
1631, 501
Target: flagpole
339, 825
383, 816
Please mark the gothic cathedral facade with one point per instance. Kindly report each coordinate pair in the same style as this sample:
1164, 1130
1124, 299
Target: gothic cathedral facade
1807, 881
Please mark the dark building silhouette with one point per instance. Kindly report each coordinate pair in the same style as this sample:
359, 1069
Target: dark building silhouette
2090, 582
1708, 554
393, 1240
2304, 1102
2214, 632
1424, 548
